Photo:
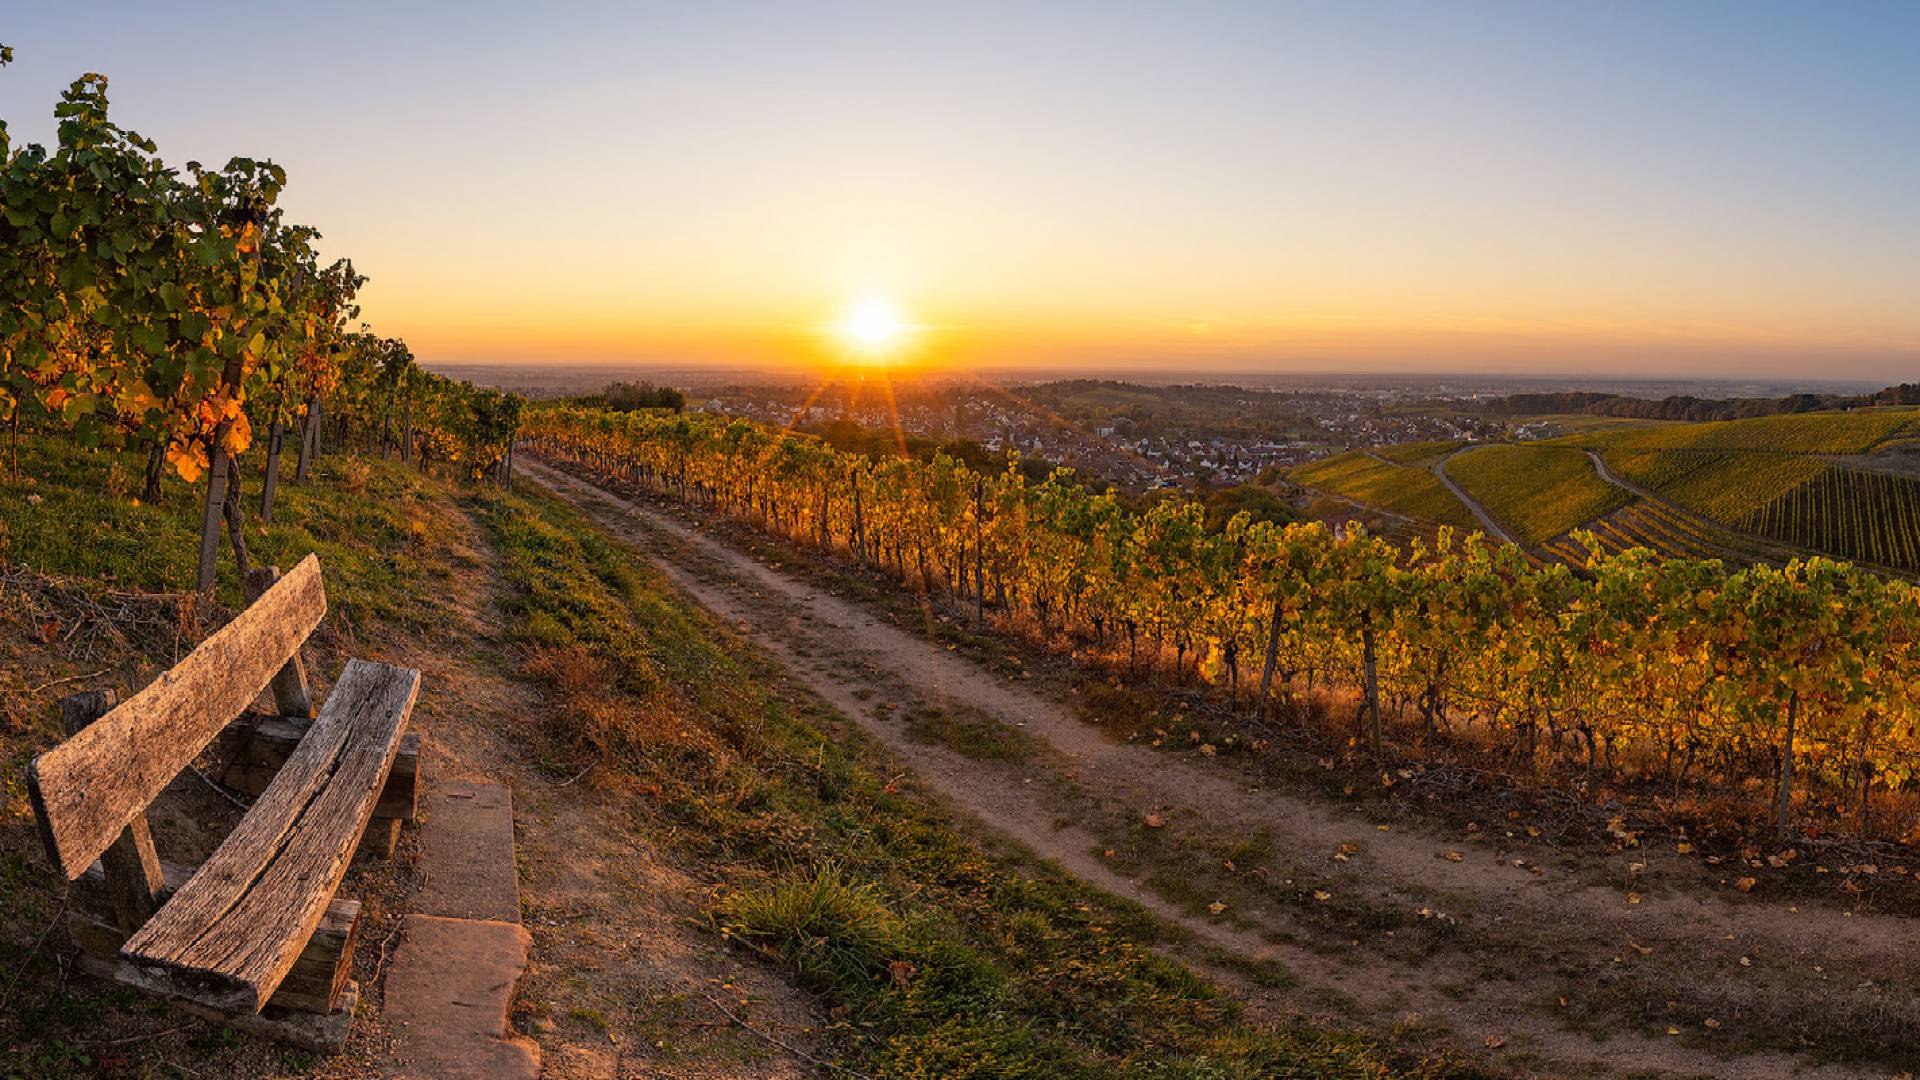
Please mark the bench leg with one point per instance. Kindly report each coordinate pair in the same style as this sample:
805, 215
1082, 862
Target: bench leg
379, 840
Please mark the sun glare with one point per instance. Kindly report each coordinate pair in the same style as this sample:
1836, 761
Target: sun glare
873, 328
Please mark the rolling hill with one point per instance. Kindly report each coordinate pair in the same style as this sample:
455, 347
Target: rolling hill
1757, 490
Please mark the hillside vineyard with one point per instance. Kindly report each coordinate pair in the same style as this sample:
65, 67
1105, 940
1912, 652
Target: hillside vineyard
1799, 686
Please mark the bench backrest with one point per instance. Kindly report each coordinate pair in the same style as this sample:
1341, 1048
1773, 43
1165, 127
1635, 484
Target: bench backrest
88, 788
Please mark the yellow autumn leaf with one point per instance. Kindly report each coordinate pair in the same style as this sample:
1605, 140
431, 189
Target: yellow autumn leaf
189, 461
240, 435
141, 398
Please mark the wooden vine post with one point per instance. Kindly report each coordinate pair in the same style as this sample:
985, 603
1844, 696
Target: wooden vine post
1273, 655
210, 516
1783, 804
307, 437
270, 483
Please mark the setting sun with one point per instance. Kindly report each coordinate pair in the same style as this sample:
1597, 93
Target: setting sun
874, 327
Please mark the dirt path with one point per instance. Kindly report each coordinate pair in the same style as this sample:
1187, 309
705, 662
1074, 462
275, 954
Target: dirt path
1572, 963
1600, 466
1487, 520
620, 976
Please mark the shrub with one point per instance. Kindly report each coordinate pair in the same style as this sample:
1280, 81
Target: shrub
828, 930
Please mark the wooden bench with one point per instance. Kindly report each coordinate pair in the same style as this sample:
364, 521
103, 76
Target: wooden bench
254, 934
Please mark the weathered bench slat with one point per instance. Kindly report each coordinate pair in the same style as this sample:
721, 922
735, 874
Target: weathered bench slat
229, 936
131, 877
314, 984
89, 787
253, 748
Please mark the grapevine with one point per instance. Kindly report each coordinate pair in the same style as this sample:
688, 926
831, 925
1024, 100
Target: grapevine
1801, 682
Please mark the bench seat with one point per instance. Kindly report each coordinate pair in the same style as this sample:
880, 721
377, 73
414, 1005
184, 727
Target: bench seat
229, 936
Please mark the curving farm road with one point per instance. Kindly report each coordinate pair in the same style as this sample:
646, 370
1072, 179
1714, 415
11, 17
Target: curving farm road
1487, 520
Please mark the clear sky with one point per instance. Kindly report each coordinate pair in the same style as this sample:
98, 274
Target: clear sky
1613, 187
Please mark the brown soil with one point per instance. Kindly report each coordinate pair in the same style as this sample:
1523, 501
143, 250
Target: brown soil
1557, 961
622, 980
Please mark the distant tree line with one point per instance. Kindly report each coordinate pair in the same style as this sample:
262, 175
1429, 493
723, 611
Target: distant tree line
628, 396
1687, 407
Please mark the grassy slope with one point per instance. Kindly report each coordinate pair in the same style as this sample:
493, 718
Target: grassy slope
106, 618
1404, 489
1537, 491
935, 957
68, 514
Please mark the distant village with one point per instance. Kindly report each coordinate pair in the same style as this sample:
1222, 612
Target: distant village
1142, 436
1230, 442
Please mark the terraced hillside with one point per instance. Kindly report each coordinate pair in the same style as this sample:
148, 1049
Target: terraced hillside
1536, 491
1408, 489
1669, 530
1774, 477
1758, 490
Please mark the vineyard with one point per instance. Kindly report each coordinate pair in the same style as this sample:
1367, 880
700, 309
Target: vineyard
1764, 477
1726, 486
1646, 524
179, 320
1855, 514
1795, 687
1403, 489
1536, 491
